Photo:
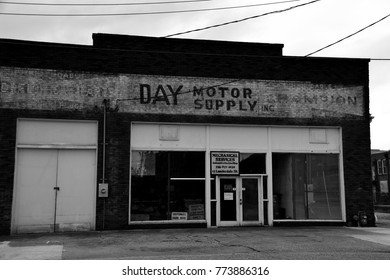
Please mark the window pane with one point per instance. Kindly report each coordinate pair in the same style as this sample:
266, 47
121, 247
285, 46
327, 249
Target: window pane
228, 199
213, 189
323, 188
282, 186
265, 187
250, 199
155, 195
252, 163
384, 166
149, 183
379, 164
189, 197
306, 186
187, 164
299, 182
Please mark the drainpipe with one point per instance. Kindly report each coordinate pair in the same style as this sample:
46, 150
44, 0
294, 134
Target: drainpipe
104, 139
105, 101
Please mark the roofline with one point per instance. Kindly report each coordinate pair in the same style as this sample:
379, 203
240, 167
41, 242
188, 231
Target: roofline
79, 46
328, 57
188, 39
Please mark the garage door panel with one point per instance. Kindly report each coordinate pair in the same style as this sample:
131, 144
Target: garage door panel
41, 166
36, 178
76, 179
38, 172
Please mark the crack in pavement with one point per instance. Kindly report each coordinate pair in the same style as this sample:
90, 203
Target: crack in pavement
237, 245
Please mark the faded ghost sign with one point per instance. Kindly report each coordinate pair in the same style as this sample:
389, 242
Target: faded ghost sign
52, 90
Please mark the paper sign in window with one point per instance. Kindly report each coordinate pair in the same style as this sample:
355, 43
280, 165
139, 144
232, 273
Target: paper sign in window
228, 196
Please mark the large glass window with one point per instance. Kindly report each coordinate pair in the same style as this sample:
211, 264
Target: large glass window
252, 163
306, 186
167, 186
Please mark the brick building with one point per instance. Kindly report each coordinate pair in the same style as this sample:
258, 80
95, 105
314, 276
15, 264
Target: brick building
380, 177
154, 132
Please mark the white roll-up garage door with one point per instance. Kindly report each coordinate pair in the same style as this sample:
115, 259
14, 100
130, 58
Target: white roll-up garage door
55, 176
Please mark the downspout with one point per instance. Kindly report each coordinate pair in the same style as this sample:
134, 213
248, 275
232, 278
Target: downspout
104, 139
104, 156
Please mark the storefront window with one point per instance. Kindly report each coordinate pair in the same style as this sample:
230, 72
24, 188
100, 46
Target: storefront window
167, 186
306, 187
252, 163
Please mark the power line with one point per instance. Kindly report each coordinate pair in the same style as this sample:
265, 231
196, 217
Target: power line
237, 80
100, 4
338, 41
146, 13
241, 20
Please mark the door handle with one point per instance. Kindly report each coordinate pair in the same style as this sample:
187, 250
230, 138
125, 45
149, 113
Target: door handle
56, 188
240, 201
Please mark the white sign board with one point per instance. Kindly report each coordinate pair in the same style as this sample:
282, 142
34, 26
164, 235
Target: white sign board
228, 196
179, 215
196, 212
225, 163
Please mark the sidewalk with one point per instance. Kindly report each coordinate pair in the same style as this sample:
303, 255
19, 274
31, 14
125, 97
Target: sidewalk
267, 243
383, 219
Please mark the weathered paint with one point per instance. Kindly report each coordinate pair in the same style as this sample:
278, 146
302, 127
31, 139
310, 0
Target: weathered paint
69, 90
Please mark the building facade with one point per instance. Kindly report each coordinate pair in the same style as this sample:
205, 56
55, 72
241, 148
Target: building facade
154, 132
380, 177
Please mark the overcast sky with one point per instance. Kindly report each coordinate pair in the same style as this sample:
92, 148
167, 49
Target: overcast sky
302, 30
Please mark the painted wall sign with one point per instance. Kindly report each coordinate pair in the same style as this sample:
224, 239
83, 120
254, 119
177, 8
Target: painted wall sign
225, 163
68, 90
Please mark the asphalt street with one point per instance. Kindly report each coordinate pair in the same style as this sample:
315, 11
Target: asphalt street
266, 243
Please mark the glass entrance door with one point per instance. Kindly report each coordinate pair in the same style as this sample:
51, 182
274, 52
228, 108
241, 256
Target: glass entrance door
240, 201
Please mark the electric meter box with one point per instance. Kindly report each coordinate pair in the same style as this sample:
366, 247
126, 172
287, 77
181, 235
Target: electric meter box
103, 190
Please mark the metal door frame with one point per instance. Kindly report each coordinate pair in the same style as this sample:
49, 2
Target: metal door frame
239, 205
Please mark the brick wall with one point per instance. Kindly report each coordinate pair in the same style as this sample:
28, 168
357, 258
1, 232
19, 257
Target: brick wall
357, 171
113, 211
7, 163
86, 58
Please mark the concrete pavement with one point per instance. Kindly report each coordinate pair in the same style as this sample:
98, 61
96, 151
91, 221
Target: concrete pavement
33, 252
326, 243
267, 243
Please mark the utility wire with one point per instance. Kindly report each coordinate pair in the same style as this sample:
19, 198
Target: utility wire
240, 20
237, 80
101, 4
146, 13
353, 34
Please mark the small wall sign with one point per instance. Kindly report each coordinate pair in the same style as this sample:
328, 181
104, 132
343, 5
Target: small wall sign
225, 163
179, 216
228, 196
